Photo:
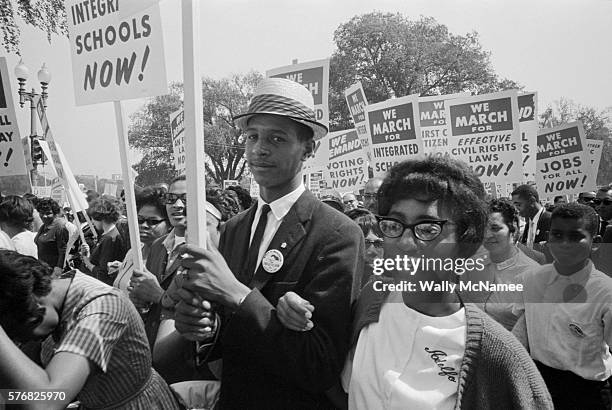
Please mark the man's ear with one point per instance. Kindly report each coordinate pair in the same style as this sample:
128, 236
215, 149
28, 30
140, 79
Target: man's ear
596, 243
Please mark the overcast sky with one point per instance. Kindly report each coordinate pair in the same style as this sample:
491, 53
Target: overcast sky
560, 48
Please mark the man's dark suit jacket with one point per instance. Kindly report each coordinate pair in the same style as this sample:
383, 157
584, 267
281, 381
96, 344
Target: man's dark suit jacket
542, 231
265, 365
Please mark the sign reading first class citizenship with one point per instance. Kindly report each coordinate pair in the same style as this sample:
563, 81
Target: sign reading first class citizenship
117, 50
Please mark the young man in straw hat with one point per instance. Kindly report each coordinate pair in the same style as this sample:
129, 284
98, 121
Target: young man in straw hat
288, 241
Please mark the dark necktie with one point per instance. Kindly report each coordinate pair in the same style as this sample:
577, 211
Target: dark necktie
256, 242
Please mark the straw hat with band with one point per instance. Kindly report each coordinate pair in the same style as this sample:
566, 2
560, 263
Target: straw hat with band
279, 96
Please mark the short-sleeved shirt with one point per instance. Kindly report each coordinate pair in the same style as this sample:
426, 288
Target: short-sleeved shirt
97, 322
406, 360
24, 243
569, 319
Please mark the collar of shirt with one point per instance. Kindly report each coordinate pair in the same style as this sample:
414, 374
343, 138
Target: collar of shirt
172, 241
578, 277
278, 208
536, 217
110, 228
508, 262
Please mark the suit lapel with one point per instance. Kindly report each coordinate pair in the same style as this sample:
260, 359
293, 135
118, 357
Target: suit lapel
239, 244
289, 233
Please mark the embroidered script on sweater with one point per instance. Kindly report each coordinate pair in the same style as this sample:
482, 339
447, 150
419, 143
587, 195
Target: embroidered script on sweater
439, 358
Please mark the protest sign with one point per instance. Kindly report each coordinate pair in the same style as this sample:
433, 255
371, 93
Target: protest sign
229, 182
27, 153
117, 50
528, 125
178, 140
395, 135
346, 167
357, 103
42, 191
484, 133
595, 150
254, 188
432, 116
14, 175
313, 75
563, 165
110, 189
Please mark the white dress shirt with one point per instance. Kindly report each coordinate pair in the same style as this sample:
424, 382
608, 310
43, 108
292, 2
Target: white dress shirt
278, 210
533, 228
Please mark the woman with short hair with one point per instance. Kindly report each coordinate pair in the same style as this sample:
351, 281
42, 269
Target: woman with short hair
110, 247
52, 238
16, 216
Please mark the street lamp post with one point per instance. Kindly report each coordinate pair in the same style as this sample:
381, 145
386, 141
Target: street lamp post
44, 77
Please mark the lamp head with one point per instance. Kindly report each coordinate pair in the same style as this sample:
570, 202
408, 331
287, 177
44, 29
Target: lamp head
43, 75
21, 71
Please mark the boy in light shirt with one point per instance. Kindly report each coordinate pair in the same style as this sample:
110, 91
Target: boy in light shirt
567, 306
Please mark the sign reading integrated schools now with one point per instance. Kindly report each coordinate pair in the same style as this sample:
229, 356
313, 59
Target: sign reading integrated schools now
313, 75
563, 165
117, 50
484, 132
395, 135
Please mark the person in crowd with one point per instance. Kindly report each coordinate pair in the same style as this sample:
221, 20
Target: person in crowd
52, 237
289, 241
603, 206
170, 346
350, 201
243, 196
16, 216
147, 287
370, 194
559, 199
110, 245
94, 347
527, 200
566, 309
153, 223
37, 222
373, 242
426, 348
505, 263
333, 199
586, 198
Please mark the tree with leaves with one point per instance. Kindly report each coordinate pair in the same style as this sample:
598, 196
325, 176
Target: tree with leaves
597, 125
393, 57
47, 15
223, 99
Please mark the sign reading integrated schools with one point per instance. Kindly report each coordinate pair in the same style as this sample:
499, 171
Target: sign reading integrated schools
528, 125
484, 132
313, 75
117, 50
432, 118
395, 135
563, 165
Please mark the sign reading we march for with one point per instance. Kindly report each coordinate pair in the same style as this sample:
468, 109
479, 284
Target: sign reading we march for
313, 75
395, 135
563, 165
117, 50
484, 132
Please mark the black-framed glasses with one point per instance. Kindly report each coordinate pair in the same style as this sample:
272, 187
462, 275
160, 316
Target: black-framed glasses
377, 243
424, 230
599, 201
149, 221
171, 198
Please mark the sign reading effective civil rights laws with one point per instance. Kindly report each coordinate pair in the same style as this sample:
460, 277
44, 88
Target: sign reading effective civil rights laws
117, 50
563, 165
313, 75
528, 125
357, 103
394, 131
484, 132
432, 116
